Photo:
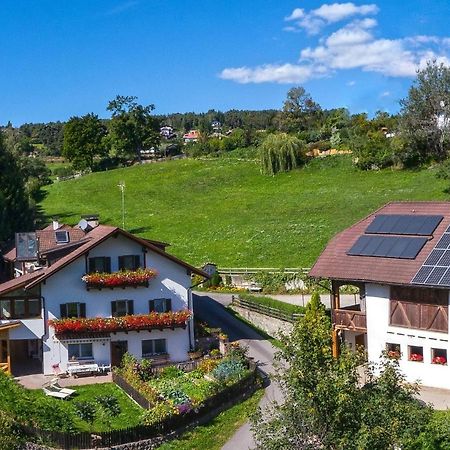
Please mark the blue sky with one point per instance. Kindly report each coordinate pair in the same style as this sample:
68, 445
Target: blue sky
65, 58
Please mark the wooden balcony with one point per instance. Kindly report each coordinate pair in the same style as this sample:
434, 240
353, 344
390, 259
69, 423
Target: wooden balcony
350, 318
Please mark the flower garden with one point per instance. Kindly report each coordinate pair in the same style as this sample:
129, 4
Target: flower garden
154, 320
172, 392
123, 278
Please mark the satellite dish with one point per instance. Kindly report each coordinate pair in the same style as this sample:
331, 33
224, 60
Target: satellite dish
84, 225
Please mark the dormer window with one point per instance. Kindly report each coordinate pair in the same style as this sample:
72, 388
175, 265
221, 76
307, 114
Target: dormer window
129, 262
62, 236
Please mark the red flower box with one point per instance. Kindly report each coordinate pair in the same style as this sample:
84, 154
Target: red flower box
139, 277
137, 322
442, 360
416, 357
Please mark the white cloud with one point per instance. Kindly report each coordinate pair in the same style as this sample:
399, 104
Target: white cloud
314, 20
353, 46
339, 11
385, 94
351, 83
298, 13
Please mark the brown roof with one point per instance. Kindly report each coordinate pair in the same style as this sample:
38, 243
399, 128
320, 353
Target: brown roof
334, 263
19, 282
97, 236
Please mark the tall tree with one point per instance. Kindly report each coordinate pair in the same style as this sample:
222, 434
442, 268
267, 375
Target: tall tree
84, 141
299, 112
425, 114
281, 153
132, 127
15, 211
325, 407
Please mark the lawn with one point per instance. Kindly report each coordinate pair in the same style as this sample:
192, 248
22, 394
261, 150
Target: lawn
225, 211
214, 434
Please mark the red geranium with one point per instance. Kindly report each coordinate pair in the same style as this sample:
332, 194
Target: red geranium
127, 323
416, 357
118, 279
442, 360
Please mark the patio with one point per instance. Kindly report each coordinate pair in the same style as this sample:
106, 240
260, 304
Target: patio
36, 381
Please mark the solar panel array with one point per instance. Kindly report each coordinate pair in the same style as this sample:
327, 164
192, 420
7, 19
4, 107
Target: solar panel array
435, 271
403, 224
388, 246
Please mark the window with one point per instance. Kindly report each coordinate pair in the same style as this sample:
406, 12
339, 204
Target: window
100, 264
20, 308
62, 236
439, 356
80, 351
152, 347
393, 351
120, 308
129, 262
415, 353
73, 309
160, 305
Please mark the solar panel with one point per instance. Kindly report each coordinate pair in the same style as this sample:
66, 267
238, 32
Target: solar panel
445, 280
404, 224
436, 275
422, 275
26, 246
434, 257
444, 241
387, 246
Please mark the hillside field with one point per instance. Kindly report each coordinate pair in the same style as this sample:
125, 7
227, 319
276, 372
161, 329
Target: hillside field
226, 212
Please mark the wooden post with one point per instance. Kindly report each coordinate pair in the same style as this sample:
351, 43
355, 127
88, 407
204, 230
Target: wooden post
8, 357
335, 343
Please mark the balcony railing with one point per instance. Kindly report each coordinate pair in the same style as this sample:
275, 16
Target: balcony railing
154, 320
350, 318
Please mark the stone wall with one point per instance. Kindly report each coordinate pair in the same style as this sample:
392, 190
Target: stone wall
268, 324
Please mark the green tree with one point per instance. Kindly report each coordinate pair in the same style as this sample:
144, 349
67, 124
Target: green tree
325, 406
300, 112
132, 127
425, 114
15, 211
84, 141
281, 153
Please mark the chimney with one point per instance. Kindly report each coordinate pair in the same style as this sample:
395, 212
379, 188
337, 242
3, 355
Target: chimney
55, 223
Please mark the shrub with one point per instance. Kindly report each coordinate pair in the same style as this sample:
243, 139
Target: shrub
228, 370
9, 432
160, 412
109, 403
85, 411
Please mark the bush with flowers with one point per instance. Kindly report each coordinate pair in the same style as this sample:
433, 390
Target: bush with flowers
154, 320
138, 277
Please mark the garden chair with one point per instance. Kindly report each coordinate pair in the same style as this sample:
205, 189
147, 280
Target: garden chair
54, 385
55, 394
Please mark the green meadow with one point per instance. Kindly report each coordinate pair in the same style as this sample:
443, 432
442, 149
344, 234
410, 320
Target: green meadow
225, 211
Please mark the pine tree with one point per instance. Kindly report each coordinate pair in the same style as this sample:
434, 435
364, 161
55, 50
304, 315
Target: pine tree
15, 211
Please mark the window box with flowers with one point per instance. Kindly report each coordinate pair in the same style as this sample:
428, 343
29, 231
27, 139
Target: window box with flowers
393, 351
439, 356
158, 321
123, 278
415, 354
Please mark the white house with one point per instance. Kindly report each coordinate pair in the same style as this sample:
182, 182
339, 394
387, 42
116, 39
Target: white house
55, 314
399, 258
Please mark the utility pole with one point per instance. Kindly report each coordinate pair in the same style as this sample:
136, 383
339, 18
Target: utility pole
121, 186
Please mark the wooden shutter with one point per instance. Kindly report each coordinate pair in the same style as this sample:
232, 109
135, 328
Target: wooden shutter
107, 264
151, 305
113, 308
137, 261
82, 310
121, 261
168, 304
130, 307
91, 265
63, 310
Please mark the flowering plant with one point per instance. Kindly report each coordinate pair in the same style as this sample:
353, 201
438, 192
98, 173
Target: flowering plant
118, 279
416, 357
442, 360
126, 323
394, 354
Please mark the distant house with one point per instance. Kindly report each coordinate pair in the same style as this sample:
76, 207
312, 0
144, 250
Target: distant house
399, 258
91, 293
191, 136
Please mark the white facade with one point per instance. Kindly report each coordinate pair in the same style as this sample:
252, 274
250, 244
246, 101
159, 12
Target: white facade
66, 286
380, 333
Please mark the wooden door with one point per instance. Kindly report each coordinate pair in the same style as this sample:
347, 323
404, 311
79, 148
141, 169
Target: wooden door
118, 349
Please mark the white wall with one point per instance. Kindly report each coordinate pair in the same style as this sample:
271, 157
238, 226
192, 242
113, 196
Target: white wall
379, 332
66, 286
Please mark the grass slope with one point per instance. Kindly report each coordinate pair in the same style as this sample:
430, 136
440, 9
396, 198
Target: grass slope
225, 211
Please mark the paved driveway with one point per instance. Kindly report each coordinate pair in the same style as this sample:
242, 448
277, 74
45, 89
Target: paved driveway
210, 307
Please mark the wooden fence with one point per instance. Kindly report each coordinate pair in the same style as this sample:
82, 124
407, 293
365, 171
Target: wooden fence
211, 407
266, 310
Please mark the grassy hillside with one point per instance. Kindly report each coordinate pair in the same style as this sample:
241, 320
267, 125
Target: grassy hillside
226, 212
